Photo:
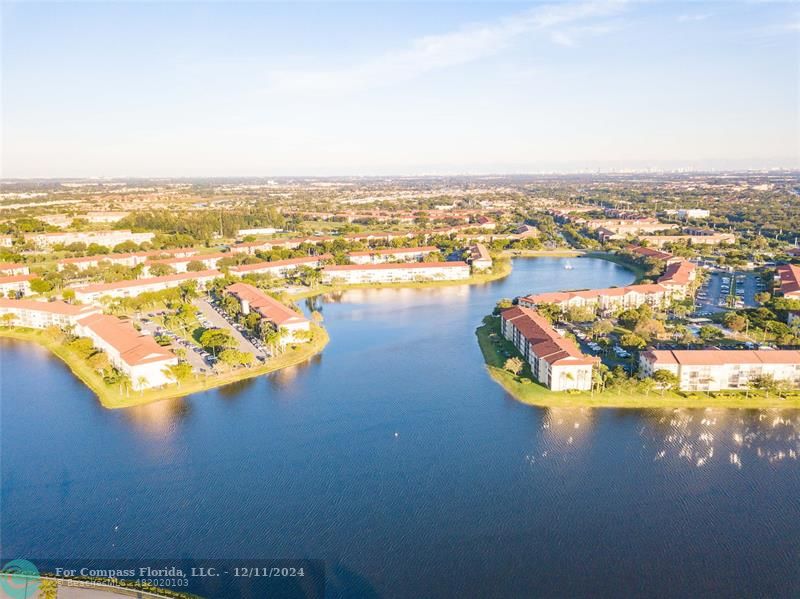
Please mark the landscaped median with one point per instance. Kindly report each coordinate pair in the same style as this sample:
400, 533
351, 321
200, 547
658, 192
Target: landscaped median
496, 350
113, 396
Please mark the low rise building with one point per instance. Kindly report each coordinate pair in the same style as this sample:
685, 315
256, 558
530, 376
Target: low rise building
678, 278
14, 268
252, 299
639, 251
181, 263
130, 259
395, 273
392, 255
555, 361
119, 289
138, 356
660, 241
605, 301
280, 268
40, 315
257, 231
719, 370
16, 285
788, 280
105, 238
687, 213
479, 257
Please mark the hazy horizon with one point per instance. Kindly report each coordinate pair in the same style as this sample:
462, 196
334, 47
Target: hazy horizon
190, 90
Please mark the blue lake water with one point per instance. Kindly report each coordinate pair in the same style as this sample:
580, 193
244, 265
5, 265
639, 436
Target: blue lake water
396, 459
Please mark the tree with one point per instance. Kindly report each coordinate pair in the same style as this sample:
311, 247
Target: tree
233, 358
601, 328
632, 341
8, 319
762, 297
216, 339
178, 372
99, 361
195, 266
764, 382
68, 295
710, 333
160, 270
666, 380
647, 328
41, 285
734, 321
647, 385
513, 365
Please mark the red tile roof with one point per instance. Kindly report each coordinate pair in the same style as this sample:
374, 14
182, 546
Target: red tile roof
678, 273
267, 306
16, 278
56, 307
545, 341
789, 275
183, 276
279, 263
590, 294
134, 349
717, 357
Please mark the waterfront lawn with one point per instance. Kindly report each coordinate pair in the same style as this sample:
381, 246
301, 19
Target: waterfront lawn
113, 396
524, 389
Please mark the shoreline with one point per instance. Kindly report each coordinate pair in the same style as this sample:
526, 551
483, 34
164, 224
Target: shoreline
533, 393
111, 398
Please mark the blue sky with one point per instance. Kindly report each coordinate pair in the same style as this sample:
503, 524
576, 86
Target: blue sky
229, 89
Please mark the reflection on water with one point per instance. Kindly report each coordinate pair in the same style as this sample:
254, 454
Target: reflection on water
159, 418
700, 436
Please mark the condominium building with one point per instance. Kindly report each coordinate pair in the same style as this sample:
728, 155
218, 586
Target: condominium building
257, 231
788, 280
138, 356
718, 370
605, 301
639, 251
181, 263
392, 255
678, 277
130, 260
394, 273
14, 268
713, 239
610, 229
40, 315
266, 245
554, 360
93, 293
252, 299
479, 257
16, 285
105, 238
280, 268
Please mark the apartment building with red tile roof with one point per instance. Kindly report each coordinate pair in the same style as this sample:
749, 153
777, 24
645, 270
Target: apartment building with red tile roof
555, 361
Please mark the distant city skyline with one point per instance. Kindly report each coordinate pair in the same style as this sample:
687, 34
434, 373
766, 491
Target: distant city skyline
324, 89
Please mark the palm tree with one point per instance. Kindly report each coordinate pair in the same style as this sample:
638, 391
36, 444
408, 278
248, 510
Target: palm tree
141, 382
125, 384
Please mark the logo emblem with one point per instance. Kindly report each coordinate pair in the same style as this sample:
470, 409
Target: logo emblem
19, 579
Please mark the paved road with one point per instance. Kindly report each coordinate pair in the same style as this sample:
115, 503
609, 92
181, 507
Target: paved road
716, 296
217, 320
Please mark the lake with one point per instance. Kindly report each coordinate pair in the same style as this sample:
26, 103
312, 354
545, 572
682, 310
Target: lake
395, 458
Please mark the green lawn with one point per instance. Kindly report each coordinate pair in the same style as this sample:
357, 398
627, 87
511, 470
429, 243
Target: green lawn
533, 393
111, 396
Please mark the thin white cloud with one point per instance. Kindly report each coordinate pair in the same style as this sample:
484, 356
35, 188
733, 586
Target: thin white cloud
693, 18
455, 48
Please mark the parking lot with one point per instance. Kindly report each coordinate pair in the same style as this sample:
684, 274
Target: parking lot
714, 295
209, 314
198, 358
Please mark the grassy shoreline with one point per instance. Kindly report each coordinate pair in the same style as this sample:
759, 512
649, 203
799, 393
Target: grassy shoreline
534, 394
111, 397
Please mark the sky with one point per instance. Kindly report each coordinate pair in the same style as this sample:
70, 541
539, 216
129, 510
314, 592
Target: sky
187, 89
